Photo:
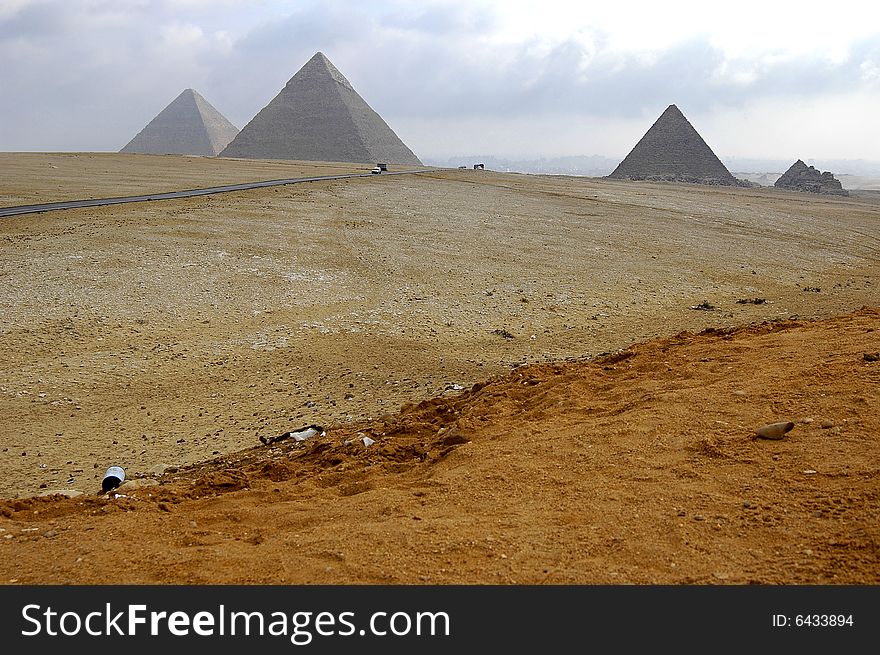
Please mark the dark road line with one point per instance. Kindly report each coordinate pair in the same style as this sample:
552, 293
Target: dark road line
189, 193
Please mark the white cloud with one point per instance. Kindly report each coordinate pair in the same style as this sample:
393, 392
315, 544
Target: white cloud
509, 76
178, 35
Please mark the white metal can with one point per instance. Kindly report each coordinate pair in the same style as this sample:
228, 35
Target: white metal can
113, 478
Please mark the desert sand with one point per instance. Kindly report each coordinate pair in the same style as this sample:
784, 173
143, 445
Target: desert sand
168, 337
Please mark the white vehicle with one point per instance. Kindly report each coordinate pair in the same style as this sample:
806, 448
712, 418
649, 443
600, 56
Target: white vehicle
376, 170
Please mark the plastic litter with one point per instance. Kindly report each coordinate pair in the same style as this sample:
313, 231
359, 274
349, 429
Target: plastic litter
297, 435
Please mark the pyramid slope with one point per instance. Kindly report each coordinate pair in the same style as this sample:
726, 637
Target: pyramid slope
800, 177
318, 116
672, 150
188, 126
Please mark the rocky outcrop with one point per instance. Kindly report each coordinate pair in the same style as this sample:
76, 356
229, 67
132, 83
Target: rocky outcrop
801, 177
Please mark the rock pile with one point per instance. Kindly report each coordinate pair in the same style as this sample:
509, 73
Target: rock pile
801, 177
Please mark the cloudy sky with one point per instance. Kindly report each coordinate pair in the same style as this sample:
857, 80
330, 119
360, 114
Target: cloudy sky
769, 79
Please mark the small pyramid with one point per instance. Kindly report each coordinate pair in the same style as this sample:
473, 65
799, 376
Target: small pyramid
673, 151
188, 126
318, 116
800, 177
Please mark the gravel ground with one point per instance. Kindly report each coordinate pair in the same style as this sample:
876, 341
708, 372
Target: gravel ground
165, 333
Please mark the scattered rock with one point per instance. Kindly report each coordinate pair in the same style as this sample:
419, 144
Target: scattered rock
774, 430
825, 424
501, 332
705, 306
70, 493
871, 357
751, 301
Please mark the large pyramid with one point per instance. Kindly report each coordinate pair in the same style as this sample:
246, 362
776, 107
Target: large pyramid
318, 116
673, 151
188, 126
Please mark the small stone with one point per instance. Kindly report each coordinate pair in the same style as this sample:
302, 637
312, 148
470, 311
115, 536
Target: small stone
825, 424
871, 357
739, 392
747, 504
50, 534
699, 517
806, 420
137, 483
774, 430
809, 472
158, 469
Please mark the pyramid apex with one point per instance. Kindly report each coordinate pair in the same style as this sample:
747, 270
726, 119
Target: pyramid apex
320, 57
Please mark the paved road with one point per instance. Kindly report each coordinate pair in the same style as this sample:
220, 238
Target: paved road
98, 202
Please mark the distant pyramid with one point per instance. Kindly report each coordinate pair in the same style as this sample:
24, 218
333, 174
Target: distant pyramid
318, 116
673, 151
800, 177
188, 126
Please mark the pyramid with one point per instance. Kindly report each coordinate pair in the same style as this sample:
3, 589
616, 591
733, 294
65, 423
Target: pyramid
673, 151
800, 177
318, 116
188, 126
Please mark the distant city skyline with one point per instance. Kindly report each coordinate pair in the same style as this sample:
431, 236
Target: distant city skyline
514, 79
